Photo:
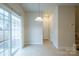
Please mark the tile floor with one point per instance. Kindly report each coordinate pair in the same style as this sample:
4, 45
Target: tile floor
44, 50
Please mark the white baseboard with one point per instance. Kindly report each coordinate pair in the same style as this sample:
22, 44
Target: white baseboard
32, 43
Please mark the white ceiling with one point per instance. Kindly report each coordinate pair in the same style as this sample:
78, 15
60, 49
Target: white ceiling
43, 6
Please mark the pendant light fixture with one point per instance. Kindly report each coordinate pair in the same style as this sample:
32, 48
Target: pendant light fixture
39, 17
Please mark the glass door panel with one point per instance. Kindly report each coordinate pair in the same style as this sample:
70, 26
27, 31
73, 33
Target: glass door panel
7, 33
1, 35
1, 49
15, 33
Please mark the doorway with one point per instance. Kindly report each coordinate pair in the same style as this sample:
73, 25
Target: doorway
46, 29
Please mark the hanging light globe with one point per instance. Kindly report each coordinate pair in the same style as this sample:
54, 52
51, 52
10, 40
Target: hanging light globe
39, 19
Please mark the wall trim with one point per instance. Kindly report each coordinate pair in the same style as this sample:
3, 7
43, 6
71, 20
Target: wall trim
31, 43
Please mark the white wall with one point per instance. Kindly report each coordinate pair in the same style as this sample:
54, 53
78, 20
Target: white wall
66, 26
63, 27
54, 27
35, 29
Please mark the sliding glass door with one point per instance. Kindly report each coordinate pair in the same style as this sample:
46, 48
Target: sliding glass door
1, 33
10, 32
16, 33
6, 33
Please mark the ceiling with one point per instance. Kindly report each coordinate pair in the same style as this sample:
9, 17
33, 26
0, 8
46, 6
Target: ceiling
43, 6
